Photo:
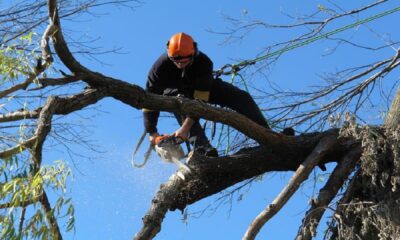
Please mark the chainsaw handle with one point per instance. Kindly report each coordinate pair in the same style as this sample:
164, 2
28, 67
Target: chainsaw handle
159, 138
179, 140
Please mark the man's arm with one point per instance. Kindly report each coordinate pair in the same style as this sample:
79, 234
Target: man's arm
184, 131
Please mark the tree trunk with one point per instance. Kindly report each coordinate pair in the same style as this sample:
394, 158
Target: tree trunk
370, 208
393, 118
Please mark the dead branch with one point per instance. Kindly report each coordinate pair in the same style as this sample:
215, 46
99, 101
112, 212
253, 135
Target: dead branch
301, 174
340, 174
17, 87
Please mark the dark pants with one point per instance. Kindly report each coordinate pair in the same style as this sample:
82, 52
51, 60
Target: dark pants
225, 95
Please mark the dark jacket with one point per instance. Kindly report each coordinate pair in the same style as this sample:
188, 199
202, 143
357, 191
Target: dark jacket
195, 81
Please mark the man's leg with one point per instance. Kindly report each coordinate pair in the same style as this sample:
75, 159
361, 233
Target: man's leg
227, 95
197, 138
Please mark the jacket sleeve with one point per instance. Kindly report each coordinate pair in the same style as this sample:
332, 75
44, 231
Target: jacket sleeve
150, 120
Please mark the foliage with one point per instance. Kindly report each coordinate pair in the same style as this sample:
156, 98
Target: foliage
22, 193
15, 59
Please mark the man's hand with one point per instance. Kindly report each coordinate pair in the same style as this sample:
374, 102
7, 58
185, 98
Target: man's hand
153, 136
183, 133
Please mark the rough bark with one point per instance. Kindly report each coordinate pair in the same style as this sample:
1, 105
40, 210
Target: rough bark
318, 206
313, 159
393, 118
211, 175
369, 209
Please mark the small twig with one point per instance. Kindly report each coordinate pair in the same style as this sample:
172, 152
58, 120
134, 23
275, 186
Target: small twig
21, 222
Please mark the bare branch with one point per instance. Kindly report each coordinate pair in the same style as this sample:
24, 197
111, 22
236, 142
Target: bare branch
327, 193
344, 99
45, 82
67, 105
301, 174
19, 148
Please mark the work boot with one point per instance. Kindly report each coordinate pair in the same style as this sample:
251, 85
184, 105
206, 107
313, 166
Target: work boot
288, 131
205, 149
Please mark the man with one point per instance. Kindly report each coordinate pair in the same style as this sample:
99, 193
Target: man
184, 70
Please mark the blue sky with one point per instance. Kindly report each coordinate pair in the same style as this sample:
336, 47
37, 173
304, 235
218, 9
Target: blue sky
110, 196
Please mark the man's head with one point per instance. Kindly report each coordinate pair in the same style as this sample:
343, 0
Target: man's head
181, 49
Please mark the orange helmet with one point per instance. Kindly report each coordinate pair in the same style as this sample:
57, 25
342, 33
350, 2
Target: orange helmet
181, 45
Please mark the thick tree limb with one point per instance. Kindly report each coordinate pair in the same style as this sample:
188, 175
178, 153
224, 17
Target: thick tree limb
160, 204
59, 43
43, 129
301, 174
392, 119
211, 175
327, 194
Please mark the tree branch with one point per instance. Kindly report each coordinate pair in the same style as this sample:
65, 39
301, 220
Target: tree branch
327, 193
160, 204
301, 174
56, 233
43, 129
17, 149
40, 68
22, 204
392, 119
211, 175
66, 105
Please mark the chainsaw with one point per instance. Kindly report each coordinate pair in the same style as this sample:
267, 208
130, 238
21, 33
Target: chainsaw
169, 149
